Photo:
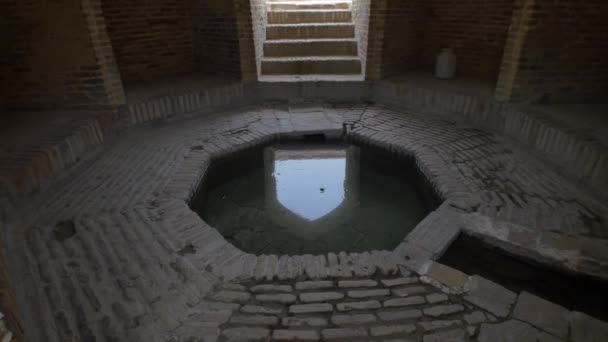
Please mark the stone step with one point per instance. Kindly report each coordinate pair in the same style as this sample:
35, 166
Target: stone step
310, 31
306, 47
309, 16
308, 5
335, 65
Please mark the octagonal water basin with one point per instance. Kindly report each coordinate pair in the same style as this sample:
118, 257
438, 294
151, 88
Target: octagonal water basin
298, 197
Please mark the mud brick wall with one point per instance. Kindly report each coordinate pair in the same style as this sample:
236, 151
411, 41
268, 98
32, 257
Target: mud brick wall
403, 35
475, 29
556, 52
216, 37
394, 37
56, 54
151, 39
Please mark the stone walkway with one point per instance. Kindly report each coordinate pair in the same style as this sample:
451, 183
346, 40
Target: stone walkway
112, 251
400, 307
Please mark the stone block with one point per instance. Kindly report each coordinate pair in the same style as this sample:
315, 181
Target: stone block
264, 288
408, 301
368, 293
231, 296
399, 281
443, 310
343, 333
340, 319
446, 275
295, 335
320, 296
313, 285
386, 330
310, 308
456, 335
490, 296
357, 283
408, 291
585, 328
399, 315
276, 298
365, 305
246, 334
509, 331
304, 321
542, 314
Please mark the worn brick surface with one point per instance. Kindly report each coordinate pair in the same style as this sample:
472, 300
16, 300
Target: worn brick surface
137, 237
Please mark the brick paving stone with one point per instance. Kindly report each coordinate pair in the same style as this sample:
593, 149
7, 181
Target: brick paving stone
233, 287
456, 335
399, 281
343, 333
254, 320
364, 305
399, 315
385, 330
320, 296
585, 328
435, 325
314, 285
276, 298
408, 291
168, 174
443, 310
446, 275
490, 296
475, 317
304, 321
231, 296
342, 319
310, 308
509, 331
357, 283
295, 335
435, 298
246, 334
369, 293
395, 302
259, 309
543, 314
271, 288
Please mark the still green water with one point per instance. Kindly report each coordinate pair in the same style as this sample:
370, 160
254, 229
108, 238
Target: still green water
314, 198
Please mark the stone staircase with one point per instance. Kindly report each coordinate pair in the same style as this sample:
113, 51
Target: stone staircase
310, 40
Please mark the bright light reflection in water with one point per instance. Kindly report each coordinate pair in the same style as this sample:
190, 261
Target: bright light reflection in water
310, 188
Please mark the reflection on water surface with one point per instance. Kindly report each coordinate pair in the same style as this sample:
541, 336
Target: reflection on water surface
303, 198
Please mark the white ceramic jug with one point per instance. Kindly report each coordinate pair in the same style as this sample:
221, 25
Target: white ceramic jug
445, 66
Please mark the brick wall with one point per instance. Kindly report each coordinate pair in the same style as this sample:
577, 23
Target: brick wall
259, 20
246, 39
216, 37
394, 37
361, 9
556, 52
151, 38
375, 39
56, 54
403, 35
475, 29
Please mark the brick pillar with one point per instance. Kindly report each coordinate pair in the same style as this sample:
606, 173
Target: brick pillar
377, 22
514, 45
102, 47
57, 55
246, 40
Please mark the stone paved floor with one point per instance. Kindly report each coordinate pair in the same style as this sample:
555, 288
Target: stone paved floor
111, 251
388, 308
